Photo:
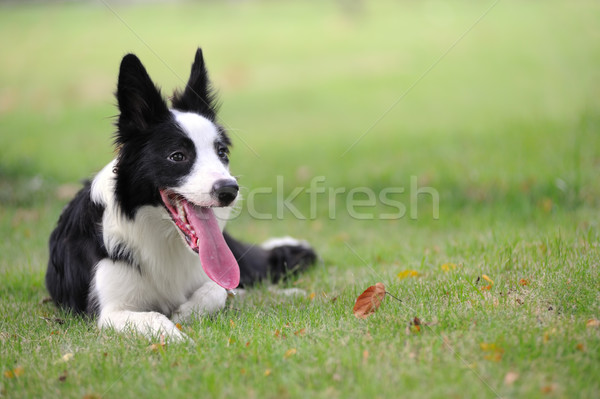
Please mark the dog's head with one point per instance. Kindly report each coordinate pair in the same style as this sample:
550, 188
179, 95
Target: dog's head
175, 158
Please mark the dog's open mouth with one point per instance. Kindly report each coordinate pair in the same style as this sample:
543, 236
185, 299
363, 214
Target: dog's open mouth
203, 235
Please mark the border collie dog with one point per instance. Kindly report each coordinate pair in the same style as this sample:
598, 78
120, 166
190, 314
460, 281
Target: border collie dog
141, 245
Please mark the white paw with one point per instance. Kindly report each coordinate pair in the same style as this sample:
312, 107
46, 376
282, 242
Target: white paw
149, 324
207, 300
284, 241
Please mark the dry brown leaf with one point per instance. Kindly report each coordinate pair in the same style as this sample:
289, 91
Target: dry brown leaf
300, 332
289, 353
592, 323
16, 372
63, 376
524, 282
549, 388
279, 334
158, 347
369, 301
493, 351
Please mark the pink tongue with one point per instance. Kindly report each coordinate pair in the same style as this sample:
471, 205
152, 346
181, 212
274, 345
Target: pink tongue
218, 262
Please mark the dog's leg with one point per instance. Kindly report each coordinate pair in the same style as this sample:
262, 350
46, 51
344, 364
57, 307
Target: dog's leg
124, 300
207, 300
275, 259
150, 324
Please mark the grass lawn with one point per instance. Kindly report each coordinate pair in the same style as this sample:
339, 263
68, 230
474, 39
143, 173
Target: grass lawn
449, 141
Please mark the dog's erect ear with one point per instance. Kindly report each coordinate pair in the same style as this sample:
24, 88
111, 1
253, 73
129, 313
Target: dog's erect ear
198, 95
140, 101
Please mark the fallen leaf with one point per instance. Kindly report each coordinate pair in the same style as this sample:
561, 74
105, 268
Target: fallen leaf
63, 376
300, 332
524, 282
548, 388
16, 372
369, 301
267, 372
592, 323
415, 325
66, 357
486, 287
408, 273
580, 347
158, 347
446, 267
486, 278
178, 326
289, 353
312, 296
510, 378
493, 351
365, 356
279, 334
546, 337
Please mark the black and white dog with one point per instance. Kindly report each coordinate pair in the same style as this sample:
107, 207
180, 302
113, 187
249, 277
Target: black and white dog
141, 246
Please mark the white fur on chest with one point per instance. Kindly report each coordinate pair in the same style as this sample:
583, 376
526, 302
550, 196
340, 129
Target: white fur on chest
165, 271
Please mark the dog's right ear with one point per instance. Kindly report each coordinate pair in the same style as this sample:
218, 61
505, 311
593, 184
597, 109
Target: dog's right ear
140, 101
198, 95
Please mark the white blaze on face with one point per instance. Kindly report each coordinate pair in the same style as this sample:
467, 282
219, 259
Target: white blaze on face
191, 205
207, 168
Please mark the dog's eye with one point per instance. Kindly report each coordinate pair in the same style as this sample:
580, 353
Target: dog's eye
177, 157
223, 153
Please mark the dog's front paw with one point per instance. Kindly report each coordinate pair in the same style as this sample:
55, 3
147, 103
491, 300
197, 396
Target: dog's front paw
152, 325
288, 256
206, 300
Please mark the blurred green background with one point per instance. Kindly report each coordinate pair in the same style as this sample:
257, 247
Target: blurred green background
493, 104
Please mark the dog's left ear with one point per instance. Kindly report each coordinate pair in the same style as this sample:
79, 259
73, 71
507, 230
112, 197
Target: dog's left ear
198, 95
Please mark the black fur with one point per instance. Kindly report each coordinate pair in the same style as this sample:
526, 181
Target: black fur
198, 95
146, 122
257, 264
75, 247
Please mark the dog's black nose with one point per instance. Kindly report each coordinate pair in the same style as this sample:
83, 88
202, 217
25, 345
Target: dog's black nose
225, 191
